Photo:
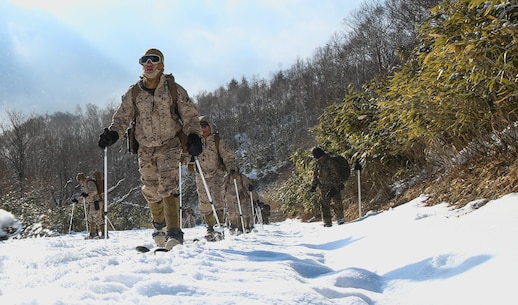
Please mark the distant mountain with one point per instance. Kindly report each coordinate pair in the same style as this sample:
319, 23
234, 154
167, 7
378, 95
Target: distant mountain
45, 67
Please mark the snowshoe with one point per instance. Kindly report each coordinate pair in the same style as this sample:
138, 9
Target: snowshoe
214, 236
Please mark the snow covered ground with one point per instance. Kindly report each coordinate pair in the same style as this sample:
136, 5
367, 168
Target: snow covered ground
411, 254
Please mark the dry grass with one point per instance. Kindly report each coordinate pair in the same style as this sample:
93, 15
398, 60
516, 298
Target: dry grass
488, 178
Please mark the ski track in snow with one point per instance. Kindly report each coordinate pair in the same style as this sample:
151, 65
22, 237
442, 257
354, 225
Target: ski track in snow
113, 272
411, 254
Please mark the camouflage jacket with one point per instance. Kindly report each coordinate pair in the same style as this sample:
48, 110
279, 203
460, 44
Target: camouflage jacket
230, 195
209, 159
155, 114
326, 173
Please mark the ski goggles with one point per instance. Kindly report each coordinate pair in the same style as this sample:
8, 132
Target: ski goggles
155, 59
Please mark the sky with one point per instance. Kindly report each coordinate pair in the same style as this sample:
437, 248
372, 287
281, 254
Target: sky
411, 254
206, 43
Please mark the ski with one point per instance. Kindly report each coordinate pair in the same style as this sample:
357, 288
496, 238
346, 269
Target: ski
168, 246
144, 249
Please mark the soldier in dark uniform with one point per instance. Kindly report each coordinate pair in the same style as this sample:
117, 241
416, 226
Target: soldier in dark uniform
326, 177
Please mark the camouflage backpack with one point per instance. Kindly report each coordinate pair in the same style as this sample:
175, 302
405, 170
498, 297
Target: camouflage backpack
99, 183
342, 165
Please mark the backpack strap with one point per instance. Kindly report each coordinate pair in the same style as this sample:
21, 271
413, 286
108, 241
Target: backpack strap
172, 88
216, 142
171, 85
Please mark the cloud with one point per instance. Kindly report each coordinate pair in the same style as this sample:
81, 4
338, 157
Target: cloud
206, 43
51, 68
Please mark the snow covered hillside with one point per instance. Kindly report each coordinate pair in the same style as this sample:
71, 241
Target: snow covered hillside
411, 255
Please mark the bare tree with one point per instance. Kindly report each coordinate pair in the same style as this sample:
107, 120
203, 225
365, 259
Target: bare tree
15, 143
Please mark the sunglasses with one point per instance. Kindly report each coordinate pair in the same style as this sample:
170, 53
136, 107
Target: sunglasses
155, 59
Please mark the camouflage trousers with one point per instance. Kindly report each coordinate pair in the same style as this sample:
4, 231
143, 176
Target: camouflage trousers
215, 184
233, 206
326, 204
95, 215
210, 219
235, 222
158, 167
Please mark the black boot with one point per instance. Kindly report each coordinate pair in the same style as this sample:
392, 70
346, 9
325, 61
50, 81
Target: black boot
213, 235
158, 233
173, 238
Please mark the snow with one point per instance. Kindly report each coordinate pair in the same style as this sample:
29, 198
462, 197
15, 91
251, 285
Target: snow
9, 225
411, 254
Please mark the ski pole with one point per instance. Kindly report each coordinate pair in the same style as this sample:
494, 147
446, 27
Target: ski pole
111, 224
105, 193
250, 188
226, 213
73, 205
252, 205
239, 206
359, 197
358, 167
86, 214
259, 215
254, 212
180, 192
208, 192
71, 217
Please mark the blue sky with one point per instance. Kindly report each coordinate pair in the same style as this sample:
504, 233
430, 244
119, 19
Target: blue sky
205, 43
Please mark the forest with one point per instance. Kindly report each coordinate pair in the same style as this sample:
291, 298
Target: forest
410, 89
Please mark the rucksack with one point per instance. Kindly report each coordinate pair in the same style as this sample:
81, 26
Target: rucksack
130, 132
99, 183
342, 165
221, 163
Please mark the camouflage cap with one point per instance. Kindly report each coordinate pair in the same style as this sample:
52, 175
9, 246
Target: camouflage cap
80, 176
206, 119
159, 53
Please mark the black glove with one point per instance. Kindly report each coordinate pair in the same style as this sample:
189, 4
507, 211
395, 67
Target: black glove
332, 192
84, 194
107, 138
250, 187
96, 205
75, 200
194, 146
312, 189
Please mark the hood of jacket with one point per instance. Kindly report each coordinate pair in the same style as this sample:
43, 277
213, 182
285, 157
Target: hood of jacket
213, 127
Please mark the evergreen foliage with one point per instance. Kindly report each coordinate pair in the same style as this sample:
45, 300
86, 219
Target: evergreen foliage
453, 100
412, 88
